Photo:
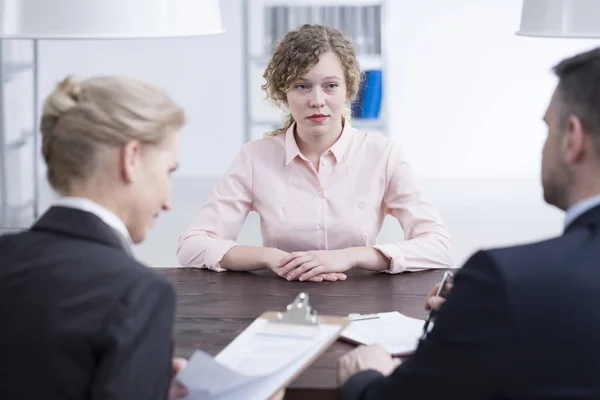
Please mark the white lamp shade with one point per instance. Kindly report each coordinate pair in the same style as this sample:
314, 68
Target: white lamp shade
560, 18
108, 19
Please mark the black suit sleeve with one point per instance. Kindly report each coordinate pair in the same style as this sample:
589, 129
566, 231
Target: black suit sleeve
134, 360
466, 355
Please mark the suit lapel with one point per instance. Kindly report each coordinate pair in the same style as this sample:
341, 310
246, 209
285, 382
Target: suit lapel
80, 224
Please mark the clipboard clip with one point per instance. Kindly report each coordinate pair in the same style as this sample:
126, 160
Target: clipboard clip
299, 312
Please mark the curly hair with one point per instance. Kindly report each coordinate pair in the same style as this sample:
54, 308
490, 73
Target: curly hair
298, 51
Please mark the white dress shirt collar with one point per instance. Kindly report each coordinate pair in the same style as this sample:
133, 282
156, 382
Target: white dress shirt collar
107, 216
580, 208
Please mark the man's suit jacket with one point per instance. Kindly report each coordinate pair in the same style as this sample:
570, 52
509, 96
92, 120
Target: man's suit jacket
520, 323
80, 318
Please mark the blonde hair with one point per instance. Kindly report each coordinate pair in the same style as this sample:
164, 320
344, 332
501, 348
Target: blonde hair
80, 119
297, 52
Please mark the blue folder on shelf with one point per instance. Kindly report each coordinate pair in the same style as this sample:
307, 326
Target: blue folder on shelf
368, 102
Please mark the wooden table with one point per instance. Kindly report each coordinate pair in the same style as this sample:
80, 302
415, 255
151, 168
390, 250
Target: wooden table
213, 308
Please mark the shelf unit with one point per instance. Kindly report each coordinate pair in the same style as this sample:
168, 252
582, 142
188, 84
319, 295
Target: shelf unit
19, 190
266, 21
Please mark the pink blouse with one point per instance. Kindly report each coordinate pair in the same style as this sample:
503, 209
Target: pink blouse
361, 178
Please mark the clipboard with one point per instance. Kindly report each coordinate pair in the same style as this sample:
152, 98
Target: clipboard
266, 357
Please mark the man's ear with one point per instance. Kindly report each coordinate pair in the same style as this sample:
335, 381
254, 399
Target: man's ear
129, 161
575, 140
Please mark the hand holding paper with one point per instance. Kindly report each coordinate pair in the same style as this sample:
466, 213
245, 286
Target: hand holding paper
178, 391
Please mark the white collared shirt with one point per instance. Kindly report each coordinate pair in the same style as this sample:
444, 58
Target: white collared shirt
580, 208
107, 216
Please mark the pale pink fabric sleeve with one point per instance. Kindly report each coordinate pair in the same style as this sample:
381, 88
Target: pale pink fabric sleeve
215, 228
426, 242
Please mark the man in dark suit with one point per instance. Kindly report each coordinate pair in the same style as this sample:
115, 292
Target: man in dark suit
520, 322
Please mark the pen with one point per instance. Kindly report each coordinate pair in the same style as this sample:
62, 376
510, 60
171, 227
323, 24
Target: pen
362, 317
445, 279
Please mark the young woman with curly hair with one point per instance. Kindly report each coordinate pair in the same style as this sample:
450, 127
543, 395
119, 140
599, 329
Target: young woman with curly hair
321, 187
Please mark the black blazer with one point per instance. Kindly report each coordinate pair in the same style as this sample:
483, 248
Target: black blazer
80, 318
520, 323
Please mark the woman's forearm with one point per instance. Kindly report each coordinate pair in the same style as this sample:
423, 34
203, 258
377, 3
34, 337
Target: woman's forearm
367, 258
248, 258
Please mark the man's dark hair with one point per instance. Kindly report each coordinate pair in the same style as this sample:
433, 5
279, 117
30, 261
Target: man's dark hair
579, 90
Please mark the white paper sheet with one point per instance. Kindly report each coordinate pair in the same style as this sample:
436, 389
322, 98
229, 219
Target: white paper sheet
205, 377
398, 333
260, 352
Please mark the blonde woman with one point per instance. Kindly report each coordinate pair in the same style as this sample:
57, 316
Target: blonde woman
82, 319
321, 187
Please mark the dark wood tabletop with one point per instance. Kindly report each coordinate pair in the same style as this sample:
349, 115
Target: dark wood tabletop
215, 307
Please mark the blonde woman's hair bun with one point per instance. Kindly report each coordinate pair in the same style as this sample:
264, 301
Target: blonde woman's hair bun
71, 86
66, 96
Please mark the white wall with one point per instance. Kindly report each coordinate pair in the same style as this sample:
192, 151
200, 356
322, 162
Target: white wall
203, 74
467, 95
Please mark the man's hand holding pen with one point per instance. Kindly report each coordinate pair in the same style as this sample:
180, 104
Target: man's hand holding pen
375, 357
434, 301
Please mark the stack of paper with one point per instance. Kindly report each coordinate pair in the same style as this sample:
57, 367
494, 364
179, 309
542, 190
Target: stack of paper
398, 333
